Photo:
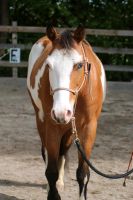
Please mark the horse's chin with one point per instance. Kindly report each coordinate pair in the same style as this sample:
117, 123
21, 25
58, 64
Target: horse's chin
67, 122
61, 122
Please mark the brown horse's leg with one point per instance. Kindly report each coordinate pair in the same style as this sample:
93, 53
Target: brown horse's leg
83, 175
87, 138
50, 153
43, 153
66, 142
52, 174
52, 177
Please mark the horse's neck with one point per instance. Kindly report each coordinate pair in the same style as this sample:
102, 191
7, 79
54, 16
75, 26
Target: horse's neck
86, 42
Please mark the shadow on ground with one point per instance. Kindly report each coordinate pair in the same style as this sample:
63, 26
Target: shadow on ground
20, 184
7, 197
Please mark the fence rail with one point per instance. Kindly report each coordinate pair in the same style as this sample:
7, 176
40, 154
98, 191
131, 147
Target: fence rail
14, 29
30, 29
105, 50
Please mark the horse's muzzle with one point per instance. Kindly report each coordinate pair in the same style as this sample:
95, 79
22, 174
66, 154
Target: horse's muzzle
61, 117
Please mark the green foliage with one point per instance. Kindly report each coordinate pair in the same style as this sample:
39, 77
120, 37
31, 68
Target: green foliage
5, 72
115, 14
119, 76
102, 14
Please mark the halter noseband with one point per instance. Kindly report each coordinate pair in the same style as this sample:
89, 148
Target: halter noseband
86, 71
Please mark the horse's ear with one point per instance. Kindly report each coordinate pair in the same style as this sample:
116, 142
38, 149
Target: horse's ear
51, 33
79, 33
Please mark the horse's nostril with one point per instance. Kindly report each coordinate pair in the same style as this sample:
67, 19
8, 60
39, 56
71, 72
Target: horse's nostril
68, 113
61, 117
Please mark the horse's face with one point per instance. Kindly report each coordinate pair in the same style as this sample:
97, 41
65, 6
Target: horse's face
65, 72
62, 74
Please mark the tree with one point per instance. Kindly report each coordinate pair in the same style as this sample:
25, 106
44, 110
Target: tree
4, 20
4, 16
102, 14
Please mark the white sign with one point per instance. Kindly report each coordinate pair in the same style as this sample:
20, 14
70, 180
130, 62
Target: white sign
14, 55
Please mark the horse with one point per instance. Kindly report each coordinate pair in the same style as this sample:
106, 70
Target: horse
66, 81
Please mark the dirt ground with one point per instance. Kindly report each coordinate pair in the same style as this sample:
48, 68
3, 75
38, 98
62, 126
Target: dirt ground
21, 166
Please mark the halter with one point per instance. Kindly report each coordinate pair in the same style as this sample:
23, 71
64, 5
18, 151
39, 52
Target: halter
86, 72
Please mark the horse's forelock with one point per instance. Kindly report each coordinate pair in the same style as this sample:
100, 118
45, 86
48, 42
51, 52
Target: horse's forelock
66, 40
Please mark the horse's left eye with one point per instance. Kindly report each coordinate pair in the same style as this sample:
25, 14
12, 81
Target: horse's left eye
79, 65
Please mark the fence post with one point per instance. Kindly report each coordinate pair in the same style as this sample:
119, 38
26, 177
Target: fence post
14, 43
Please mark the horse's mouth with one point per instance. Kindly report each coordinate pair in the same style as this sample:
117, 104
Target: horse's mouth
61, 121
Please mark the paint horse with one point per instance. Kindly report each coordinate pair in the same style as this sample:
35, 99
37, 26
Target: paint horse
62, 87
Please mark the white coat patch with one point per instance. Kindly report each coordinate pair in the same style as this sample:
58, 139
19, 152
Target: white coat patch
60, 181
34, 54
103, 77
103, 80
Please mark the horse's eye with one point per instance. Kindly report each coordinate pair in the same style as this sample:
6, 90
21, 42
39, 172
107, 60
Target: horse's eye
79, 65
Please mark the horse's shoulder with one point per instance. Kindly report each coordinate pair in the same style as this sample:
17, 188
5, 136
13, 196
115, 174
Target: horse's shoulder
36, 68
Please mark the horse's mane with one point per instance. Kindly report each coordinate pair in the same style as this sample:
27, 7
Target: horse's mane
66, 39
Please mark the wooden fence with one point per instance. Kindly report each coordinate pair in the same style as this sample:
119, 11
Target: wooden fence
14, 30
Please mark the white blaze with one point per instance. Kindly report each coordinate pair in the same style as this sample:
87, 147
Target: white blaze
61, 64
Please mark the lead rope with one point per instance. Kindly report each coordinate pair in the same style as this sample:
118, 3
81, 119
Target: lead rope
117, 176
74, 129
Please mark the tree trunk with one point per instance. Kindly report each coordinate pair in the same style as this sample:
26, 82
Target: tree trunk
4, 12
4, 20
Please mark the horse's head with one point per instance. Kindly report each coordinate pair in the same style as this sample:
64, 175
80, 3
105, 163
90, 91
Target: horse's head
66, 71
